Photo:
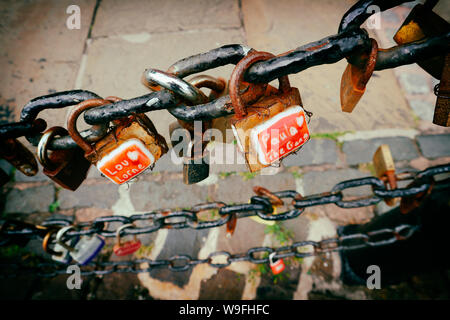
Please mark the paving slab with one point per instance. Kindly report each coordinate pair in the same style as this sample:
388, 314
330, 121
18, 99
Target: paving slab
285, 25
239, 188
114, 66
147, 196
179, 242
36, 199
118, 286
38, 53
225, 285
160, 16
434, 146
102, 196
281, 288
317, 182
361, 151
315, 152
240, 241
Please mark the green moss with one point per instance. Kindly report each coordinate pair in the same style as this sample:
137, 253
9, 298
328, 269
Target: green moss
248, 175
224, 175
53, 206
329, 135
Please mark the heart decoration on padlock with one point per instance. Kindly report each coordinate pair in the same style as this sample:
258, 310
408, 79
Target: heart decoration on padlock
276, 266
272, 127
129, 148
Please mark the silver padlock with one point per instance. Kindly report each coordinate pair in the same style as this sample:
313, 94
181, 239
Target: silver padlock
86, 249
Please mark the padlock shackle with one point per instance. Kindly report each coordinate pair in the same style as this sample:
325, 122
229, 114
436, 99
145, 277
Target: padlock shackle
72, 121
237, 77
170, 82
42, 147
59, 236
118, 238
271, 257
217, 85
46, 242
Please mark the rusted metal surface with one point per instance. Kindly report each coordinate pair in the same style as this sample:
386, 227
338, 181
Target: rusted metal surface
237, 76
54, 101
354, 80
72, 122
68, 168
19, 156
442, 109
263, 192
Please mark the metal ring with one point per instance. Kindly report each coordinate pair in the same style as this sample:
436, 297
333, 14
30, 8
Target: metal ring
44, 141
45, 243
175, 84
59, 235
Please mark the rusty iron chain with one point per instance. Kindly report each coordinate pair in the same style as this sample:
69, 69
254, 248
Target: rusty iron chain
177, 263
349, 41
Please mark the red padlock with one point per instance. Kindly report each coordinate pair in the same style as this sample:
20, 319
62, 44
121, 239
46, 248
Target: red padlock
123, 249
277, 266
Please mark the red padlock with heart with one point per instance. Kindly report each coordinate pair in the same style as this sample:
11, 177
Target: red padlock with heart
277, 266
126, 248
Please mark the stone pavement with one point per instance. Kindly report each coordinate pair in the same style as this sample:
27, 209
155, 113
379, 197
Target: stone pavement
116, 42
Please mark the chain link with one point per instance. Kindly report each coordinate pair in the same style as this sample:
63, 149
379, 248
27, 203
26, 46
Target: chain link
259, 206
178, 263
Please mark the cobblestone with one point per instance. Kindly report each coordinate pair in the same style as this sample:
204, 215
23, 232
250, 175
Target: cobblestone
414, 83
36, 199
361, 151
101, 196
315, 152
318, 182
434, 146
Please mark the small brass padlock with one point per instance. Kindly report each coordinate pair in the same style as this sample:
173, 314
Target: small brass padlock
385, 169
130, 147
68, 168
422, 23
272, 127
354, 80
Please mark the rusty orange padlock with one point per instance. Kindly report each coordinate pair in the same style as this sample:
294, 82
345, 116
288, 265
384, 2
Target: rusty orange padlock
272, 127
131, 146
354, 80
276, 266
126, 248
68, 168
